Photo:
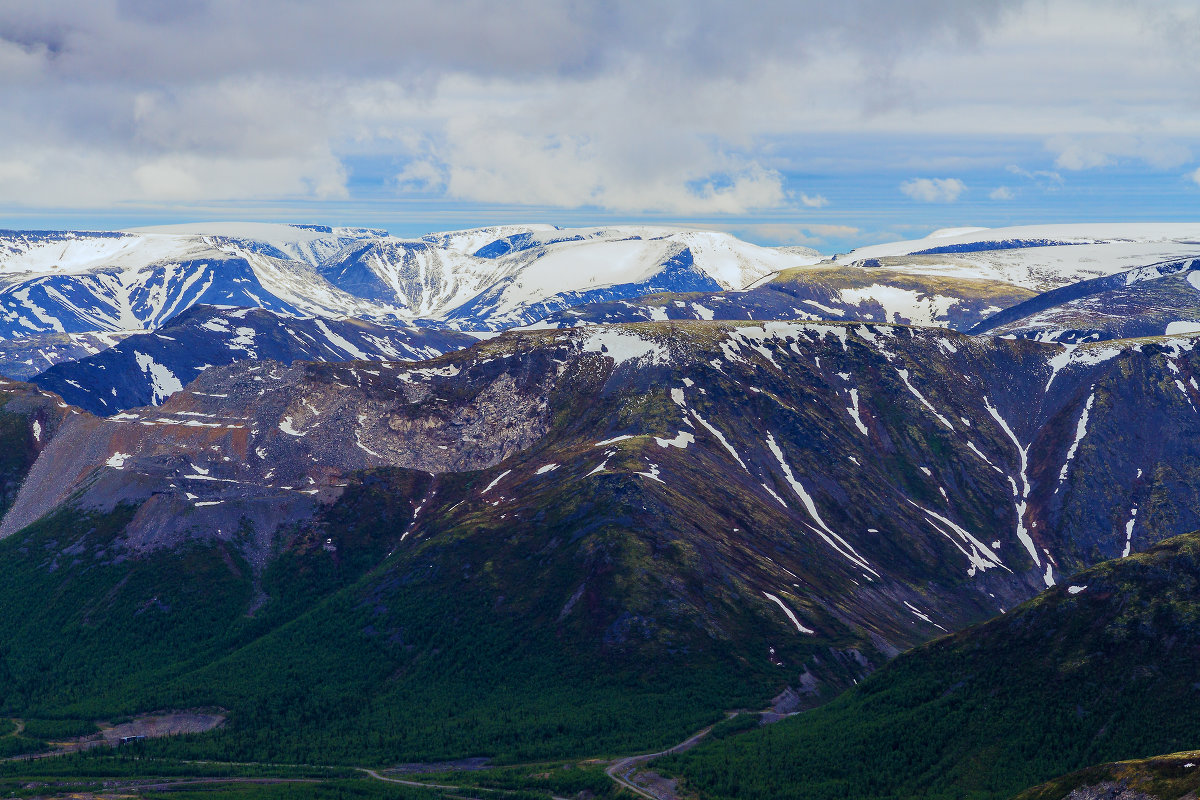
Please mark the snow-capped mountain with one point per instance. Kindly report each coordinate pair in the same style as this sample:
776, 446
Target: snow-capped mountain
482, 279
1038, 257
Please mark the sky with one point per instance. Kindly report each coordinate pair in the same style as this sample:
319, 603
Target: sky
805, 122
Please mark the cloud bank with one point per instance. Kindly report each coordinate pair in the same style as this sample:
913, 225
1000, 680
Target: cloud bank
687, 108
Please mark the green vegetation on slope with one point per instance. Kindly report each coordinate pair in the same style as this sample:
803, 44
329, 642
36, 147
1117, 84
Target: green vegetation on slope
1066, 680
454, 646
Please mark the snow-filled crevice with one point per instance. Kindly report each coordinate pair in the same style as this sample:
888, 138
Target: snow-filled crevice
840, 545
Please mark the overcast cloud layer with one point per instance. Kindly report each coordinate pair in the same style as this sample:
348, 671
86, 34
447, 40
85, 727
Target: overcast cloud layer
695, 110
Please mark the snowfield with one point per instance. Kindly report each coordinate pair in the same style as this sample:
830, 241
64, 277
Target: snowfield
1038, 257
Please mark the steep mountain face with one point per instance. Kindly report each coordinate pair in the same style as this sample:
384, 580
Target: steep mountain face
805, 499
145, 369
1155, 300
1094, 670
817, 293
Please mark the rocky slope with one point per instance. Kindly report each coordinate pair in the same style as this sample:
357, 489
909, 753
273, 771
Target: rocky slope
878, 485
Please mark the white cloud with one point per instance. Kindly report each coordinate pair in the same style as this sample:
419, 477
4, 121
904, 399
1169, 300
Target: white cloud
933, 190
789, 233
1092, 152
1195, 176
1044, 178
813, 201
1002, 193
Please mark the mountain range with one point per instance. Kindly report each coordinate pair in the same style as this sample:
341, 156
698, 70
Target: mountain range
527, 492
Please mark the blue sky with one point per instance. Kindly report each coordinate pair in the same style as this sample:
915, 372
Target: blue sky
828, 125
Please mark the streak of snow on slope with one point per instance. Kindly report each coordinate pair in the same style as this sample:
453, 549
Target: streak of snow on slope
831, 538
1080, 432
854, 413
921, 397
613, 440
342, 342
720, 438
981, 557
1022, 497
1129, 531
790, 614
495, 480
921, 614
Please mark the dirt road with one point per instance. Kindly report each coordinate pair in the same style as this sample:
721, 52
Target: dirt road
621, 770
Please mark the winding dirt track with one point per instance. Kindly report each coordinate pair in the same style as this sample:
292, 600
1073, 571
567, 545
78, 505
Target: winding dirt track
623, 768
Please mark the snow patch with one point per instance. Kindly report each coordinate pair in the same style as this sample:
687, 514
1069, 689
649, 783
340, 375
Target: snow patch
613, 440
495, 480
622, 346
790, 614
163, 382
652, 474
1183, 326
854, 413
681, 440
286, 427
